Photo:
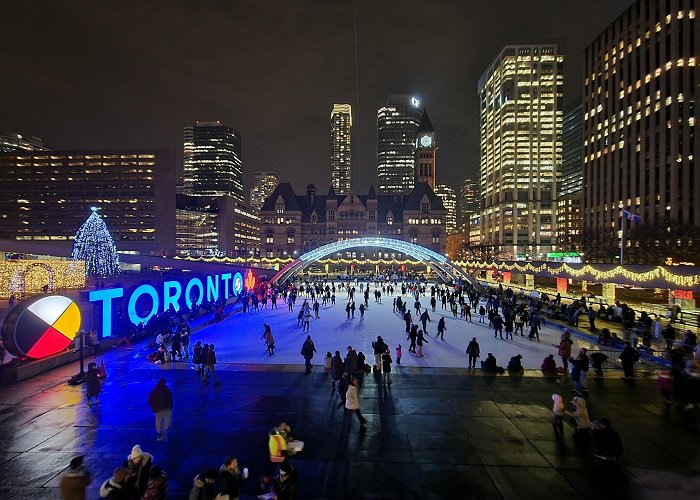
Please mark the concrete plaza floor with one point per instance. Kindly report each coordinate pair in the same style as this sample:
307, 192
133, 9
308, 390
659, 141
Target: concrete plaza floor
439, 431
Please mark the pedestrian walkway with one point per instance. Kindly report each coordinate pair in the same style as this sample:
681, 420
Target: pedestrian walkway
439, 431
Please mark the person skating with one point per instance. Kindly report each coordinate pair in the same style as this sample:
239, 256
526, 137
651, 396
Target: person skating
473, 352
420, 339
161, 402
337, 368
399, 352
380, 348
497, 323
441, 329
413, 336
425, 319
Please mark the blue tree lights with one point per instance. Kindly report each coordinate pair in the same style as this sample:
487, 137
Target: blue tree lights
96, 247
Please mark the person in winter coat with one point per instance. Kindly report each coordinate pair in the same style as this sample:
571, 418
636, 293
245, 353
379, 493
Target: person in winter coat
579, 417
558, 413
515, 364
629, 356
209, 364
579, 368
606, 441
564, 348
139, 465
307, 351
386, 366
489, 365
286, 484
351, 365
441, 329
549, 366
157, 487
342, 388
94, 384
420, 339
74, 482
412, 336
380, 348
230, 477
204, 486
352, 401
473, 352
337, 368
161, 402
114, 487
269, 340
425, 319
197, 356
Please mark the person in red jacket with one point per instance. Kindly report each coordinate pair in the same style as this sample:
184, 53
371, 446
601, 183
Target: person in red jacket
161, 402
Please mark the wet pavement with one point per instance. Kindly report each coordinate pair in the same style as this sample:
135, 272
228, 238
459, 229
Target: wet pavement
439, 431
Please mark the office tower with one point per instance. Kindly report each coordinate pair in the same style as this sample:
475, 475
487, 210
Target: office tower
449, 201
11, 142
48, 195
264, 183
520, 125
426, 151
640, 114
469, 202
569, 221
341, 154
397, 125
212, 157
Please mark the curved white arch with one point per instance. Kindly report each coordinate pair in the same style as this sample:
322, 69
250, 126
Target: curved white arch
442, 265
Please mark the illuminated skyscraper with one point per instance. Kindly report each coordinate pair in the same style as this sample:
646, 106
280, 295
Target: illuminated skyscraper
469, 201
569, 219
520, 98
397, 125
449, 201
426, 152
341, 154
264, 183
640, 113
212, 159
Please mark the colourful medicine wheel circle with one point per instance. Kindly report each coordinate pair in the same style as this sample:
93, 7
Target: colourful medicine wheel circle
41, 326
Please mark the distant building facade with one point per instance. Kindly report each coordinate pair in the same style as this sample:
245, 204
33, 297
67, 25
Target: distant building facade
569, 215
520, 126
213, 164
216, 227
47, 195
341, 144
449, 201
11, 142
640, 117
264, 183
469, 203
397, 125
293, 224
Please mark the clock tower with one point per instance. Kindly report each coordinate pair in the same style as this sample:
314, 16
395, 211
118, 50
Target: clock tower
425, 152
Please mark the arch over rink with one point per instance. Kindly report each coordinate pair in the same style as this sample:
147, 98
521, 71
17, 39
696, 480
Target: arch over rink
446, 270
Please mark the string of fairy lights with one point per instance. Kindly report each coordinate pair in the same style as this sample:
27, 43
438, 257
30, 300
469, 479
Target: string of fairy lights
591, 271
20, 277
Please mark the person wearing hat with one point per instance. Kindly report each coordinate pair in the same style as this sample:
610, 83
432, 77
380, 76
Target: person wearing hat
139, 465
75, 480
114, 488
287, 482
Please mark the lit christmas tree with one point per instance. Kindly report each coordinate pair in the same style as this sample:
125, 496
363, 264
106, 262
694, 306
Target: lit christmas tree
95, 246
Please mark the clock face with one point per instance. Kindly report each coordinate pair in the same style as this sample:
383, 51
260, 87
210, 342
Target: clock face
426, 141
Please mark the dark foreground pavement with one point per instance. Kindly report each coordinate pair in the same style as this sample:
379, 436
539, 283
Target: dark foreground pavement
439, 433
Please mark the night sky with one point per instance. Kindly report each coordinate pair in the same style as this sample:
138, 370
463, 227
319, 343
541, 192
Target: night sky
131, 74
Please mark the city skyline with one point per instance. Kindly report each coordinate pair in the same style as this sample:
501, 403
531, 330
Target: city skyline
89, 101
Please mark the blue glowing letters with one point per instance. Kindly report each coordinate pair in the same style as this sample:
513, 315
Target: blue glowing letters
196, 289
